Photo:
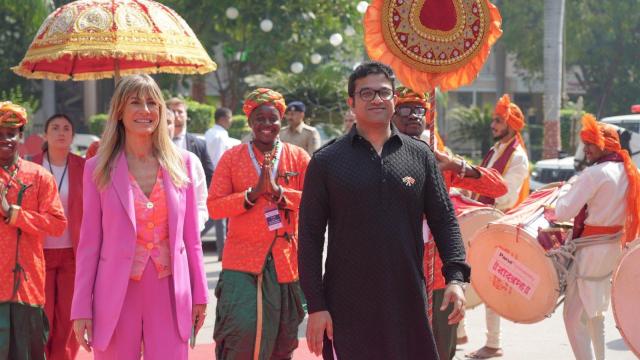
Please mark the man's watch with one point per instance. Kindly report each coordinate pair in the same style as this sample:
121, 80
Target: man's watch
462, 284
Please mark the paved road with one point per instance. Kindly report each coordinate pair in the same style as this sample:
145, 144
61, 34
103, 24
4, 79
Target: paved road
542, 341
545, 340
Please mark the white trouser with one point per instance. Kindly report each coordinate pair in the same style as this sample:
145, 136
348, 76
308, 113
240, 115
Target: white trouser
582, 330
462, 332
493, 329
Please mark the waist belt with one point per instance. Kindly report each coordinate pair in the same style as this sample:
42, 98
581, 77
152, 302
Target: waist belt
590, 230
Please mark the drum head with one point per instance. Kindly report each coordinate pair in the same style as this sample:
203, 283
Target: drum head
470, 222
473, 220
624, 298
473, 300
512, 274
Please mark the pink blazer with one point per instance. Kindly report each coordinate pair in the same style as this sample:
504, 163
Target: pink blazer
74, 217
107, 245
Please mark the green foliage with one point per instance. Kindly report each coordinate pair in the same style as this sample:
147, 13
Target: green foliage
239, 126
19, 22
97, 123
200, 116
17, 96
474, 124
602, 40
300, 29
322, 89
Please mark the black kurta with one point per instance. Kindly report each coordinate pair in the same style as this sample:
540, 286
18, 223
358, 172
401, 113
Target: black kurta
373, 285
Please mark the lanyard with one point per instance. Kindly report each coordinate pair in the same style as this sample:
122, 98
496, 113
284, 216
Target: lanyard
64, 172
276, 159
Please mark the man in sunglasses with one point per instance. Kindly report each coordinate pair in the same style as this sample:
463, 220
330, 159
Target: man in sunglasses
412, 110
372, 187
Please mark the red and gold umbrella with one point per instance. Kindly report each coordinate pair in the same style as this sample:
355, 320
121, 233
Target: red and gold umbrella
432, 43
95, 39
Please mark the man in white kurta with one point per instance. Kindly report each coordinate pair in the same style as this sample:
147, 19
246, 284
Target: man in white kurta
509, 157
601, 193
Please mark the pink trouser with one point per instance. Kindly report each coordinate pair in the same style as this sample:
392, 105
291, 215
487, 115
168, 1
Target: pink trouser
61, 269
147, 316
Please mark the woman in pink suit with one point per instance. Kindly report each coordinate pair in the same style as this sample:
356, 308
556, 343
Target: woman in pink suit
139, 269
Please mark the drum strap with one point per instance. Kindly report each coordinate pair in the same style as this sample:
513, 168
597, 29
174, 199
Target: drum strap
563, 257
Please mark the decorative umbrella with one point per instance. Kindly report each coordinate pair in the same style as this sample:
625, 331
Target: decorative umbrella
432, 43
95, 39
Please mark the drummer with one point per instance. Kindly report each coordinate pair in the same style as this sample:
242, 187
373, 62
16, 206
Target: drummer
594, 200
509, 157
410, 117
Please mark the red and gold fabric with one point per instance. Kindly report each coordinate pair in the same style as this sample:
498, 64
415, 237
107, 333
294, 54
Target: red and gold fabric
249, 240
435, 43
606, 138
40, 213
95, 39
263, 96
406, 95
12, 115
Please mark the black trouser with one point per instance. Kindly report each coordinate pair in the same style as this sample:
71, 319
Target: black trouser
23, 332
444, 334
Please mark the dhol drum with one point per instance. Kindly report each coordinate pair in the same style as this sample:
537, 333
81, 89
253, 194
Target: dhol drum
511, 272
472, 216
624, 294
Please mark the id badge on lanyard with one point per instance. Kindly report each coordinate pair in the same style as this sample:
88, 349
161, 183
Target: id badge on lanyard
274, 220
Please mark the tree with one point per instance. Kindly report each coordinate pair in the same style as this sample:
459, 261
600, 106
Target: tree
552, 97
602, 41
323, 89
19, 22
474, 124
300, 29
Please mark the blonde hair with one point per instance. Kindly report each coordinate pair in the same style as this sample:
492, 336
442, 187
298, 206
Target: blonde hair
114, 135
177, 101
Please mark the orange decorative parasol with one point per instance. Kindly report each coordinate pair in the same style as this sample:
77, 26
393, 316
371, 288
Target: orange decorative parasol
95, 39
432, 43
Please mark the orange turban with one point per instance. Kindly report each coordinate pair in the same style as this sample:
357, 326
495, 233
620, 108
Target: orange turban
511, 114
263, 96
406, 95
12, 115
606, 138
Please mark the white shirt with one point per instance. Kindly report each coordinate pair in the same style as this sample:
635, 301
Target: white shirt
63, 241
603, 188
217, 143
180, 139
200, 183
514, 175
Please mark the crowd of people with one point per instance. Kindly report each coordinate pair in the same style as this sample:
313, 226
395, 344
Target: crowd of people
105, 252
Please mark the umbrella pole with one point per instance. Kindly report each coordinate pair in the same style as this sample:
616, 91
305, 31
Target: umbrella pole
432, 126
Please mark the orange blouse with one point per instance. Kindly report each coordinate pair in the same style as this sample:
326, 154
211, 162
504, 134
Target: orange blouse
41, 214
152, 229
249, 240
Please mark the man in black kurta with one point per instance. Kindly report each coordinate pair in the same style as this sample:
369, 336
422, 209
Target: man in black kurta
374, 201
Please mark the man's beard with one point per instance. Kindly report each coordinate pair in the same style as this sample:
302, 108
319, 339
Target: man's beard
501, 136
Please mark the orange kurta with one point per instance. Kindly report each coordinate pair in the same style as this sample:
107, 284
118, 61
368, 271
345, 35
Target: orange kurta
249, 240
490, 184
41, 214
